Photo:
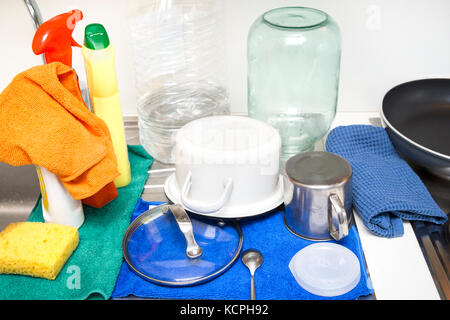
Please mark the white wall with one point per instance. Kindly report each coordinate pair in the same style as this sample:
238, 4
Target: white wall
385, 42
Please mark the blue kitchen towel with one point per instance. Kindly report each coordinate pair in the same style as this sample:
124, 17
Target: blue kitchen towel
273, 279
385, 188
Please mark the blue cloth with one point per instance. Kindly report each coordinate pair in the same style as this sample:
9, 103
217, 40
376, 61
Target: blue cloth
385, 188
273, 279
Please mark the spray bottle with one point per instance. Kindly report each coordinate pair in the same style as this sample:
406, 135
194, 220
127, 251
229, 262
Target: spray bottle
54, 39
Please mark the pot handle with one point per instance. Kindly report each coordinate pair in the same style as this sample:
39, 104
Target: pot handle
201, 207
337, 211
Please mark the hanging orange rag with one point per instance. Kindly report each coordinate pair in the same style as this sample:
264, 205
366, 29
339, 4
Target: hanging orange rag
44, 121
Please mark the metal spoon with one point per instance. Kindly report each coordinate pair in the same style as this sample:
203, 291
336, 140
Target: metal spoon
252, 259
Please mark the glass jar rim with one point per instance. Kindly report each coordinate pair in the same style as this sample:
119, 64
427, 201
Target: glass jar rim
295, 17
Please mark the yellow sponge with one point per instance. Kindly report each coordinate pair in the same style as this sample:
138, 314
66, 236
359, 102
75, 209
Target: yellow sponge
36, 249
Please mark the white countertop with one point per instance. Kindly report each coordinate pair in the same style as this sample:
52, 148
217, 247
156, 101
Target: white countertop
397, 267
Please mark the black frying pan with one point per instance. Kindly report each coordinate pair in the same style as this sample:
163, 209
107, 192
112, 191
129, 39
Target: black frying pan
417, 118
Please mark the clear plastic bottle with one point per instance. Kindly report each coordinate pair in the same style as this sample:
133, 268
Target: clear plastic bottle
179, 66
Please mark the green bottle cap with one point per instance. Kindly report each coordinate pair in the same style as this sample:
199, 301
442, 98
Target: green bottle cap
96, 37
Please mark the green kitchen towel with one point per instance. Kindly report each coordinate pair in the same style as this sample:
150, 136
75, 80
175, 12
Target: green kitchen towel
91, 272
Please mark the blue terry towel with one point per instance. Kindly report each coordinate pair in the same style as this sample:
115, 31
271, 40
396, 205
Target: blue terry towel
385, 188
273, 280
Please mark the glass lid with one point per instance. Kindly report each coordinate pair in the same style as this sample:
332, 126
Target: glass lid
162, 246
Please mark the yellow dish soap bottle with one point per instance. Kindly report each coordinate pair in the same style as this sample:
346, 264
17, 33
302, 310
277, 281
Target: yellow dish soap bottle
99, 62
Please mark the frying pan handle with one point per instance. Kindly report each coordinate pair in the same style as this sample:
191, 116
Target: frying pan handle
202, 207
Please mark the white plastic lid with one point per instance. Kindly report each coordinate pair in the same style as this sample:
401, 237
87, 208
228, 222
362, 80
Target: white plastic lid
326, 269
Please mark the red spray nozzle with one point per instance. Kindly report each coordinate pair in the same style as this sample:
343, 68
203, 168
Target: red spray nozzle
54, 37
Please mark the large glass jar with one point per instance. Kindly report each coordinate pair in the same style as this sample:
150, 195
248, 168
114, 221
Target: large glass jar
293, 74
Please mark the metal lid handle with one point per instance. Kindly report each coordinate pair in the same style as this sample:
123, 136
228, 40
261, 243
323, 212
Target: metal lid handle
193, 250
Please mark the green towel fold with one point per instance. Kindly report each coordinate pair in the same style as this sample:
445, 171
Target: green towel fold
92, 270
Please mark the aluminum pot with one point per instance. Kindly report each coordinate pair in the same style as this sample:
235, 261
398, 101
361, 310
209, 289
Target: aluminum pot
318, 196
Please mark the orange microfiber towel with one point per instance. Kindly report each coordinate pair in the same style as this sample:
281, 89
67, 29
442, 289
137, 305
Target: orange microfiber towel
44, 121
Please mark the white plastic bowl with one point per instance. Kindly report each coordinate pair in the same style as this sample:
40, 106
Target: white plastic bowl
226, 167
